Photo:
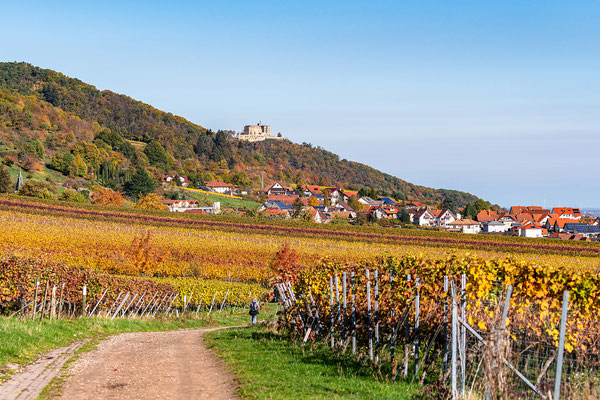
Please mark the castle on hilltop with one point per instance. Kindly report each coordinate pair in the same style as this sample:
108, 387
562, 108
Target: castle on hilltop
258, 133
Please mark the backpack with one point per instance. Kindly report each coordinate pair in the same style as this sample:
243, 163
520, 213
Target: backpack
253, 308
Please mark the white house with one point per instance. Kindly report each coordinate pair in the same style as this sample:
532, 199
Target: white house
191, 205
465, 226
530, 232
424, 217
181, 180
495, 227
444, 218
220, 187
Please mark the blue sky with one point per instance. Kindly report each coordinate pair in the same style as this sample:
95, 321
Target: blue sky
500, 99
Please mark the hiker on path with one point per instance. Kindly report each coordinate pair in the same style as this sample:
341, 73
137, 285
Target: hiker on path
254, 307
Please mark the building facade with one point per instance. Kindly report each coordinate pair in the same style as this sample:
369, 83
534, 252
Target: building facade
257, 133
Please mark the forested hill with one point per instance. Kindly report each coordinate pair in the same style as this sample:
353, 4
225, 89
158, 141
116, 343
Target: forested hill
44, 104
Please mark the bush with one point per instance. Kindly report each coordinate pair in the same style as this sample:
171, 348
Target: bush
72, 195
42, 190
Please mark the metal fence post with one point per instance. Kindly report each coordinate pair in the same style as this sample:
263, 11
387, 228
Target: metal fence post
445, 357
353, 298
369, 316
339, 308
454, 342
84, 301
331, 329
344, 313
376, 315
561, 344
463, 334
417, 344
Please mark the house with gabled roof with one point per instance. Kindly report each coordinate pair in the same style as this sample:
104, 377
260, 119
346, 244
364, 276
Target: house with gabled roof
369, 202
423, 217
414, 205
567, 212
486, 216
444, 217
218, 186
465, 226
495, 227
527, 209
279, 189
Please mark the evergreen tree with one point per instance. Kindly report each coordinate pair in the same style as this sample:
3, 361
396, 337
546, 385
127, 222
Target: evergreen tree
404, 217
5, 181
140, 184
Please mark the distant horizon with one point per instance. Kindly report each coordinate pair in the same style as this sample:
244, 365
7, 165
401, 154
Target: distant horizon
492, 99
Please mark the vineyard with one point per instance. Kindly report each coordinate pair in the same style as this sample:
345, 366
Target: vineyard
401, 317
443, 312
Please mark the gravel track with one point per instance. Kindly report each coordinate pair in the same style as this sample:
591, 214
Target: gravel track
138, 365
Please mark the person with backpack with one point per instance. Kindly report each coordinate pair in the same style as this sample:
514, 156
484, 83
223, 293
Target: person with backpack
254, 307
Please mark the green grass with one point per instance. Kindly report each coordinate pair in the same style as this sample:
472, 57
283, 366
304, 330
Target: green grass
270, 367
22, 340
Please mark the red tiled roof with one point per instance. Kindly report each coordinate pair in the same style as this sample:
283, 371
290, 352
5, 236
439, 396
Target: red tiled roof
486, 216
217, 183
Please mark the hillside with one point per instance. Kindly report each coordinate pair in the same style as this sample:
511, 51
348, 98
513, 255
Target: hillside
44, 108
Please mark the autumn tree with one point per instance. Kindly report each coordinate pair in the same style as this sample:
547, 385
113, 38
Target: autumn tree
151, 201
106, 197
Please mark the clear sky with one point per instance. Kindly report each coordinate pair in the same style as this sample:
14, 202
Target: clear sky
500, 99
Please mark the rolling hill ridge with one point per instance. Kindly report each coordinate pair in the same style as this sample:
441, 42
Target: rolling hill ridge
58, 112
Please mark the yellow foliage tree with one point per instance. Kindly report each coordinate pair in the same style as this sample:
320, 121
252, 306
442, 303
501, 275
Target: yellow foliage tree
151, 201
106, 197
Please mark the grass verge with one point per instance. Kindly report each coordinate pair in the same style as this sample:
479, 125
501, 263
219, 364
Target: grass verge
270, 367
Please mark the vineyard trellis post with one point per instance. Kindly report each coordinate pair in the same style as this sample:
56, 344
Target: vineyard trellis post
392, 318
369, 315
113, 304
338, 306
83, 301
53, 303
445, 356
376, 315
35, 299
224, 300
407, 335
212, 303
454, 342
463, 333
561, 344
353, 300
91, 314
345, 316
61, 302
331, 328
120, 306
417, 344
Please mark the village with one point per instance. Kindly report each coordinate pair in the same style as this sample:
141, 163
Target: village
330, 205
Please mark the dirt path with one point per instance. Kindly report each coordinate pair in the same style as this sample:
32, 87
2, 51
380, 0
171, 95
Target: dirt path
155, 365
29, 381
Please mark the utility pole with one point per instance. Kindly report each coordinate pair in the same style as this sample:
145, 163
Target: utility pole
262, 180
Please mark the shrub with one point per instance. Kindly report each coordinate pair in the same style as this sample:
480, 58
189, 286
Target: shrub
42, 190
